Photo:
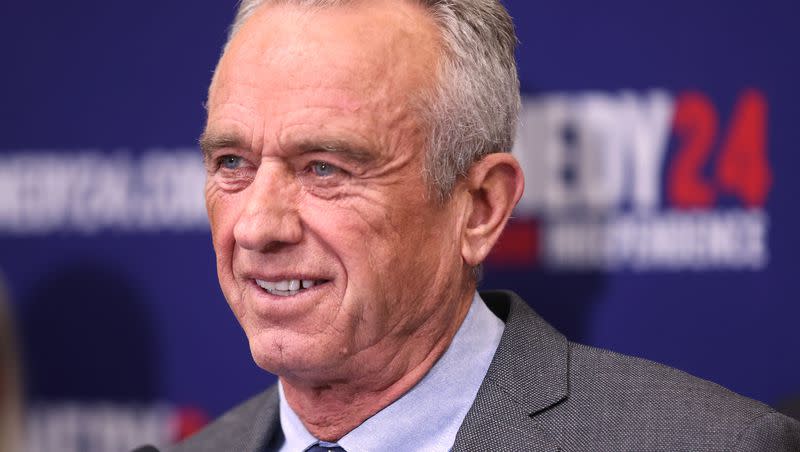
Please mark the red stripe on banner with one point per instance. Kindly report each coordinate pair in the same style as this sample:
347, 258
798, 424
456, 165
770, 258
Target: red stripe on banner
190, 420
518, 245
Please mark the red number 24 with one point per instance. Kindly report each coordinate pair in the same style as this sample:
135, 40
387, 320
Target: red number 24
741, 169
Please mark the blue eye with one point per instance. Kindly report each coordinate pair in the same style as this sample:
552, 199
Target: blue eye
323, 169
230, 162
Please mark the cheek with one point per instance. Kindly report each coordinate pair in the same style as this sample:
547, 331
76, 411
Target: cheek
222, 214
355, 229
361, 236
377, 244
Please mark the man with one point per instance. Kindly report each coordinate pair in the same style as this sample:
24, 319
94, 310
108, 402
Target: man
358, 175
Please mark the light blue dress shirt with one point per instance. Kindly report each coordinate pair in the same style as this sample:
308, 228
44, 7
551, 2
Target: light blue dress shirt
428, 416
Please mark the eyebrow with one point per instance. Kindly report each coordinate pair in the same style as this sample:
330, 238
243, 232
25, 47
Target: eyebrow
346, 149
210, 142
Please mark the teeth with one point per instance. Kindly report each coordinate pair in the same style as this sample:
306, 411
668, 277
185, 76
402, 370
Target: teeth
266, 285
286, 287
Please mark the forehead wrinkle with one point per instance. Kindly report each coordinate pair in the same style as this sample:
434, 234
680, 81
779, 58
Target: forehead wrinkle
271, 39
397, 60
232, 115
383, 74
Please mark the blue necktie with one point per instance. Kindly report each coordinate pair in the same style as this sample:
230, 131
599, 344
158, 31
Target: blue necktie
325, 447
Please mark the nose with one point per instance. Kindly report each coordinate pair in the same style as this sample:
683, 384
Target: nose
270, 217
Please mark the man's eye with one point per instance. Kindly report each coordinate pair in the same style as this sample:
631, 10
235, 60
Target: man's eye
323, 169
230, 162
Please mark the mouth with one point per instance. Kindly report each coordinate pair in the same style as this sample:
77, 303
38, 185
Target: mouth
289, 287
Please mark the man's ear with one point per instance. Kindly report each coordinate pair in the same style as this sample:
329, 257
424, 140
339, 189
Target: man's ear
494, 185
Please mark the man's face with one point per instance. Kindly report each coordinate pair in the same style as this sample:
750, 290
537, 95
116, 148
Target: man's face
329, 251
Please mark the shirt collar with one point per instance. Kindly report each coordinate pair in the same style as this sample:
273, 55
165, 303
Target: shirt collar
429, 415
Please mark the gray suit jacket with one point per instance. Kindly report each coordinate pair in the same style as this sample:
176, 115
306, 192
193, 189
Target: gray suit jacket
544, 393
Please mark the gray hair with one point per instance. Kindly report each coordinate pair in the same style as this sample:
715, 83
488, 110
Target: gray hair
473, 108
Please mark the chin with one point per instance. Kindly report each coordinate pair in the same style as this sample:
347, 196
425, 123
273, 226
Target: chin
278, 353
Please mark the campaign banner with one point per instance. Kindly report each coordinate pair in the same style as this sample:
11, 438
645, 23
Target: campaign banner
658, 218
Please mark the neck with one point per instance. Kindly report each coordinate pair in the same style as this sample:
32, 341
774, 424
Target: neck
329, 410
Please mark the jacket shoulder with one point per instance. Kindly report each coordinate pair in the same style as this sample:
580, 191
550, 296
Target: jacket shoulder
577, 397
644, 404
247, 427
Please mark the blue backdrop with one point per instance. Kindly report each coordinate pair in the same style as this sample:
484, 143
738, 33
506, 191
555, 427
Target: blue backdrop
659, 219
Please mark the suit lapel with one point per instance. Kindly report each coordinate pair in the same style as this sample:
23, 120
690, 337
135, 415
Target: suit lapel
528, 375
